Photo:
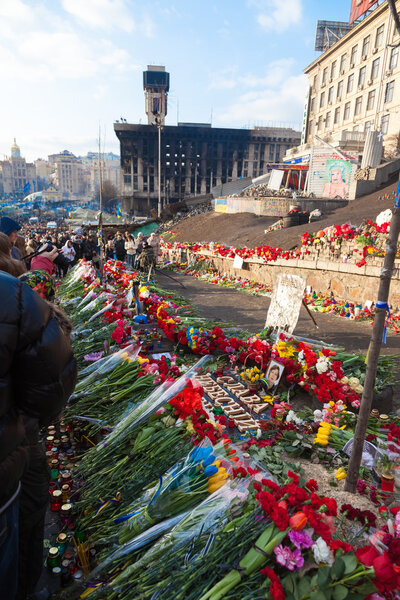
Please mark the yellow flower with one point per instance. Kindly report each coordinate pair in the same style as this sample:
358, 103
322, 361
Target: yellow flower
268, 399
340, 474
321, 440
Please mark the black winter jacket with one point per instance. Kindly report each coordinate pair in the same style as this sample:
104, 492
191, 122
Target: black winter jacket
37, 374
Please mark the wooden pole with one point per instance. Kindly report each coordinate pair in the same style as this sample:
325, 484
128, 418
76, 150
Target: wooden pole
374, 350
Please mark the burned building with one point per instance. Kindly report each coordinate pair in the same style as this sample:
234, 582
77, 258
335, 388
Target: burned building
194, 159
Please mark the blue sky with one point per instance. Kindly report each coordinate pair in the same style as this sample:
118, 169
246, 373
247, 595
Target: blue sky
68, 65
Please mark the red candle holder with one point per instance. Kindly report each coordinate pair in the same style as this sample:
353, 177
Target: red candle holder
55, 500
387, 483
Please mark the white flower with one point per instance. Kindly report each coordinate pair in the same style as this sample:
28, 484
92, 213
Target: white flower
292, 417
322, 365
322, 553
300, 357
318, 416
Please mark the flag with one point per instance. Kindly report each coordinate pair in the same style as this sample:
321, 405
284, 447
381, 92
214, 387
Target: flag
119, 211
27, 187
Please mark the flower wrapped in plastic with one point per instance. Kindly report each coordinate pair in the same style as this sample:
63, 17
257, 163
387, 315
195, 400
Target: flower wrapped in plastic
185, 485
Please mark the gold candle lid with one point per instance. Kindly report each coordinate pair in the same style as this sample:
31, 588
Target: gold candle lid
65, 487
384, 418
53, 552
57, 493
62, 537
66, 507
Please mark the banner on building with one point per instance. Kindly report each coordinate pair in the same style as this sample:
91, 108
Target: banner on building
359, 7
330, 175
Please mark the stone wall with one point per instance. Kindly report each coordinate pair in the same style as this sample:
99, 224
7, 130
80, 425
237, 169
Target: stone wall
272, 206
324, 274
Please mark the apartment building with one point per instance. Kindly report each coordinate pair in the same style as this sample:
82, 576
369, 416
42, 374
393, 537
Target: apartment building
354, 85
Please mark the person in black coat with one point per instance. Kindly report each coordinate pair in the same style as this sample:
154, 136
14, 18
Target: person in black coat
37, 375
119, 245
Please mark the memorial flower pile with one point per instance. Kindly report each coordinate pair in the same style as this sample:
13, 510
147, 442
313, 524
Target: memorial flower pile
173, 501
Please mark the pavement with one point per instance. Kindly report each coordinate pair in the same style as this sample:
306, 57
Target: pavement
249, 313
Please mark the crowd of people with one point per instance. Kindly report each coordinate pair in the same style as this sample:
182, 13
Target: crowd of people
37, 376
27, 246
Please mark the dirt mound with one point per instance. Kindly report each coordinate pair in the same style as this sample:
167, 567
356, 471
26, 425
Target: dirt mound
246, 229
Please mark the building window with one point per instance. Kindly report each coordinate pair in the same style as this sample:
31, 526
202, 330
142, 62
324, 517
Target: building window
271, 153
385, 124
322, 100
356, 128
319, 123
333, 69
327, 120
343, 59
371, 100
337, 115
330, 95
277, 152
389, 91
379, 36
353, 56
358, 105
346, 114
361, 76
375, 68
312, 105
339, 90
394, 55
367, 126
365, 47
350, 83
324, 76
314, 85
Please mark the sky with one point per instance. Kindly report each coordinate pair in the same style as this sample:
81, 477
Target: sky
70, 66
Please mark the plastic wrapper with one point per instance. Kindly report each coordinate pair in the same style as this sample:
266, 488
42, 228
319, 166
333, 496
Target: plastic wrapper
185, 484
107, 364
206, 518
158, 398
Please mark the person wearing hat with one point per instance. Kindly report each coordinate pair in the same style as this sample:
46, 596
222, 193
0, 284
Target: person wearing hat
11, 228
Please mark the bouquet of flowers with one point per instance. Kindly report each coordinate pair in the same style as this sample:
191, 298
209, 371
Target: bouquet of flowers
184, 486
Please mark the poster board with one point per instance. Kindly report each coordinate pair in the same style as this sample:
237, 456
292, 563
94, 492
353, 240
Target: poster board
284, 310
275, 179
238, 262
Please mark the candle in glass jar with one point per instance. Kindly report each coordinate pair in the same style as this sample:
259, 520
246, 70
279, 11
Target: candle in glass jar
53, 558
66, 493
49, 442
66, 514
55, 500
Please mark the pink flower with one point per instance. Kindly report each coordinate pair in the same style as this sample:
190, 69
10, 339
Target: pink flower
301, 539
287, 558
93, 356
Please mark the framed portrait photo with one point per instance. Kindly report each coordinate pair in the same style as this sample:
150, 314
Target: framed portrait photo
273, 376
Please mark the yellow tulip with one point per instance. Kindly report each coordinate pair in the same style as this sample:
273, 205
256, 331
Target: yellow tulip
340, 474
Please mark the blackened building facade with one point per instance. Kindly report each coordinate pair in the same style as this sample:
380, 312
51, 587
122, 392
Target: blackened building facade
194, 158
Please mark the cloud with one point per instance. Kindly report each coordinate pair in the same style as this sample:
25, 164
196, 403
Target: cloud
101, 14
276, 72
277, 16
39, 46
282, 102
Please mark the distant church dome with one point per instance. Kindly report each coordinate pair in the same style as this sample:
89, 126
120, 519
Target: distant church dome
15, 150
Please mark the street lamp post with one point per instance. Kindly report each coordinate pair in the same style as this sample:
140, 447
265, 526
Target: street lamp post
158, 122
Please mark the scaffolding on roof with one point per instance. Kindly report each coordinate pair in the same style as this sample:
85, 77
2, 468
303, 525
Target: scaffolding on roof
329, 32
